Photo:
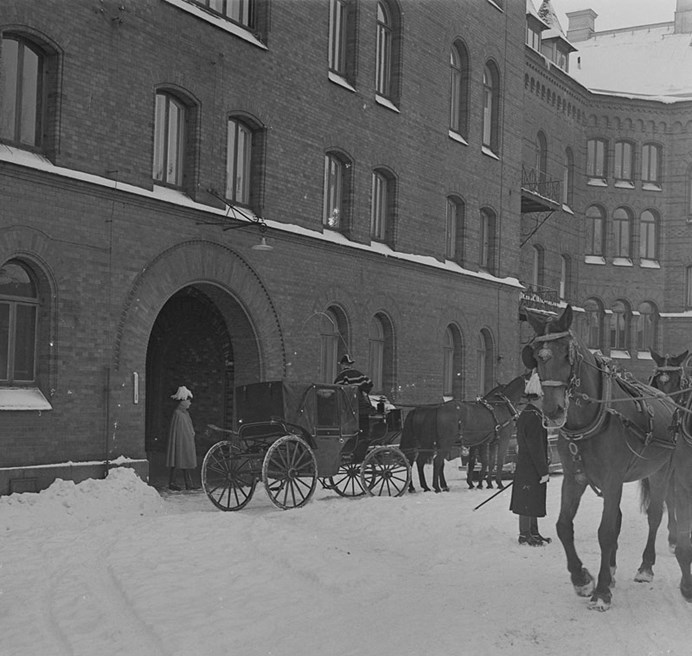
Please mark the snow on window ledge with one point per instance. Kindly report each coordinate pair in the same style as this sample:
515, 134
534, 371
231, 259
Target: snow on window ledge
567, 208
624, 184
486, 151
622, 261
649, 264
622, 355
594, 259
597, 182
381, 100
651, 186
23, 398
644, 355
341, 81
457, 137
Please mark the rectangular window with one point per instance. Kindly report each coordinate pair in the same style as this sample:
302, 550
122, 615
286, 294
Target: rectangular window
25, 343
596, 159
239, 11
332, 211
623, 161
452, 231
384, 60
169, 125
4, 341
688, 287
650, 164
378, 211
621, 235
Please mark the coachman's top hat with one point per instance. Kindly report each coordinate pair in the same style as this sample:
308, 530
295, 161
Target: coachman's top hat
346, 359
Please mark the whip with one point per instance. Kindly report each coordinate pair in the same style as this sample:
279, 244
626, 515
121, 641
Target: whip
500, 491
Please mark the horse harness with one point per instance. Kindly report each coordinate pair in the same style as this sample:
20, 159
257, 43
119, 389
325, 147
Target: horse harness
643, 426
514, 414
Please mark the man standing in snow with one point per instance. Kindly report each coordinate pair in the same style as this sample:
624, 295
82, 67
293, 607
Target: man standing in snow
181, 452
531, 474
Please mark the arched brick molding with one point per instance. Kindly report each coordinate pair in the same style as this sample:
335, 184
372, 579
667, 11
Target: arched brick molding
190, 263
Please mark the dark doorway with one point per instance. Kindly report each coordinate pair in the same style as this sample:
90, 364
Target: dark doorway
190, 344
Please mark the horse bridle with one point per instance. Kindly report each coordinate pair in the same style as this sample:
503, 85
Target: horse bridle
666, 368
514, 413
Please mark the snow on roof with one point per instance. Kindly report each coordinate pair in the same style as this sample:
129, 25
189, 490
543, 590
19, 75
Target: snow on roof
650, 62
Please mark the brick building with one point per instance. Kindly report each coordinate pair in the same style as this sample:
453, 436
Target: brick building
388, 152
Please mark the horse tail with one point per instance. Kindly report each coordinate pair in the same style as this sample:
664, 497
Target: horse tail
409, 441
644, 494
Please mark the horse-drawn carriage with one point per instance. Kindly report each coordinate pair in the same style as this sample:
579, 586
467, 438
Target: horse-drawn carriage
289, 435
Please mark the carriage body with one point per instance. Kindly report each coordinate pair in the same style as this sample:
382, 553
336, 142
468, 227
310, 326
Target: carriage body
290, 434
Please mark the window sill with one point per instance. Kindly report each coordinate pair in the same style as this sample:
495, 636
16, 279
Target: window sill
218, 21
624, 184
486, 151
651, 186
622, 262
340, 81
644, 355
649, 264
622, 355
567, 208
381, 100
494, 4
455, 136
23, 398
594, 259
597, 182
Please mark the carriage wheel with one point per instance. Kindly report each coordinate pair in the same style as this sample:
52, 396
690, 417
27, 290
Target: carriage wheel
289, 472
347, 480
227, 478
385, 472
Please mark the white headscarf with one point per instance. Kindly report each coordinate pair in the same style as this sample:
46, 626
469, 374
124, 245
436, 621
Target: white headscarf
183, 394
533, 385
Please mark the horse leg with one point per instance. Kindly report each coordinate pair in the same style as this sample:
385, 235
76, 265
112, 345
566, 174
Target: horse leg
441, 471
672, 525
420, 462
502, 446
571, 495
488, 466
653, 491
683, 545
607, 540
470, 466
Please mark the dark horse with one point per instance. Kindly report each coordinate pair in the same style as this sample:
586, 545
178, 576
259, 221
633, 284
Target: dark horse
433, 430
613, 430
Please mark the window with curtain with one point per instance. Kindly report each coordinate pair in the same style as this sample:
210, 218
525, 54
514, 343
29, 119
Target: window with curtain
595, 225
486, 362
568, 178
338, 13
169, 140
596, 164
239, 11
458, 89
381, 207
622, 232
491, 87
620, 327
238, 162
593, 323
487, 241
18, 324
336, 186
623, 170
648, 236
651, 161
454, 234
21, 92
647, 326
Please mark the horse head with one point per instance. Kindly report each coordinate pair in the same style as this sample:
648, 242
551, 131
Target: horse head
552, 352
669, 374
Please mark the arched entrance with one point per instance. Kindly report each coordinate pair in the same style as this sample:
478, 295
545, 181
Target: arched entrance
192, 343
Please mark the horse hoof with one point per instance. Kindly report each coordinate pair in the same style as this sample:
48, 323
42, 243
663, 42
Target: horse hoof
644, 575
586, 587
445, 489
598, 603
686, 591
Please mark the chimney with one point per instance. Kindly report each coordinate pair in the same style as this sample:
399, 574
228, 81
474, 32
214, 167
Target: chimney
581, 24
683, 17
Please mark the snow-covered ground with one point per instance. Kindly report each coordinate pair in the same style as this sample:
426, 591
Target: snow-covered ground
110, 567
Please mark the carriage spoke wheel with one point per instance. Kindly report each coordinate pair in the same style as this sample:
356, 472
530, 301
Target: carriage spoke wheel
385, 472
289, 472
227, 478
347, 480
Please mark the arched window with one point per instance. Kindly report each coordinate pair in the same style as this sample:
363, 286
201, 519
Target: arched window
387, 55
651, 165
454, 239
333, 341
541, 156
648, 236
381, 355
565, 277
238, 162
596, 159
620, 326
594, 231
488, 240
622, 233
18, 324
568, 178
593, 324
342, 28
22, 94
647, 326
623, 169
169, 140
486, 362
337, 184
458, 89
239, 11
491, 101
452, 364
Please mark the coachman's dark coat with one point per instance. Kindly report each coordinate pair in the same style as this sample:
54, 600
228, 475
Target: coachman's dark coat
528, 494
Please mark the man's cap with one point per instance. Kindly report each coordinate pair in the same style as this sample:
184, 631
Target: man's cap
346, 359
